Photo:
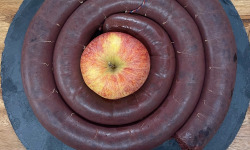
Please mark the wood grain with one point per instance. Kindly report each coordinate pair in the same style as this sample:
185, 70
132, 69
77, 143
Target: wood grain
243, 7
242, 140
247, 26
8, 138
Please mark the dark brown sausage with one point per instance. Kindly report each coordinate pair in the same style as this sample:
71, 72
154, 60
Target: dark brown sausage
38, 48
61, 121
131, 108
221, 58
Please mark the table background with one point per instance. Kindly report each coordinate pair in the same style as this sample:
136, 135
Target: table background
8, 138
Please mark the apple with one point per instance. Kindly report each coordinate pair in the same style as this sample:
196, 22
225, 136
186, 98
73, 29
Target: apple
115, 65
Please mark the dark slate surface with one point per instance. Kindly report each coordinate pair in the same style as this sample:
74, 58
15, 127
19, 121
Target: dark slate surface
35, 137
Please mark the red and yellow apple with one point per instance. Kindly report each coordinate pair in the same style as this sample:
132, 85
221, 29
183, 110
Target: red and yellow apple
115, 65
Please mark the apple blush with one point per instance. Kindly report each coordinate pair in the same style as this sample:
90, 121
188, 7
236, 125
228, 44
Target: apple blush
115, 65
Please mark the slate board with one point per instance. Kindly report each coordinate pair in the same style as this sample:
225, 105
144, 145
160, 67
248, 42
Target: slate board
34, 137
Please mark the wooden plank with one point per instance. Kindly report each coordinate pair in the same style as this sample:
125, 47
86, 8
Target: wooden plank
247, 27
8, 138
243, 7
241, 142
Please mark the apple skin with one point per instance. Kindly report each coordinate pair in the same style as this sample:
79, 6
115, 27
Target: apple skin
115, 65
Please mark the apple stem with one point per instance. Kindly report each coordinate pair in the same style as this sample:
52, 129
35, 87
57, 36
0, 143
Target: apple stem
112, 66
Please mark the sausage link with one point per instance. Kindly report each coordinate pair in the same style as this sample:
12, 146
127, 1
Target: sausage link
221, 60
38, 48
61, 121
131, 108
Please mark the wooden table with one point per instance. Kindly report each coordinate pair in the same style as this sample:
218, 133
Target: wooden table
8, 138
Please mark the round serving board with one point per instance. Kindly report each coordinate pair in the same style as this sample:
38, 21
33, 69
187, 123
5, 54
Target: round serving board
34, 136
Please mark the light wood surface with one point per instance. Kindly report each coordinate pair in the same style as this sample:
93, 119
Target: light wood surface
8, 138
243, 8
